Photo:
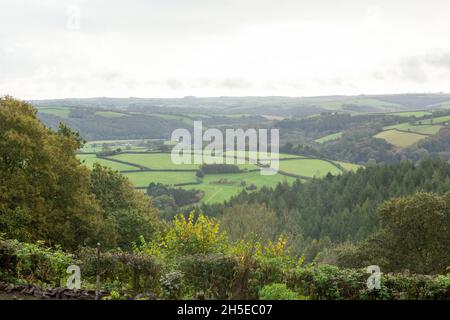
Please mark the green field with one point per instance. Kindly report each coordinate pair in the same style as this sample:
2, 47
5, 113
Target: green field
417, 114
89, 161
143, 179
330, 137
218, 191
424, 129
154, 161
166, 116
59, 112
216, 187
400, 139
370, 102
126, 145
309, 167
443, 119
110, 114
348, 166
255, 155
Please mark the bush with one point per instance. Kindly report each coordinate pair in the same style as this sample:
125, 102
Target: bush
212, 274
33, 263
138, 272
172, 285
332, 283
278, 291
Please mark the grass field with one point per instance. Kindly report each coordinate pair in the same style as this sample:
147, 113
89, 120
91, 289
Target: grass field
166, 116
255, 155
126, 145
330, 137
424, 129
219, 192
59, 112
216, 187
348, 166
143, 179
309, 167
338, 105
89, 161
400, 139
154, 161
110, 114
443, 119
417, 114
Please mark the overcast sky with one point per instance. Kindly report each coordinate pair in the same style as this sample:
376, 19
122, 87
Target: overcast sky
173, 48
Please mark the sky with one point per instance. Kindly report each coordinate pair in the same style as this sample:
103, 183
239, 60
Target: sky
174, 48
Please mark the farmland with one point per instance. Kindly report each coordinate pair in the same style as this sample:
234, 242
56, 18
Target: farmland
417, 128
330, 137
142, 168
417, 114
59, 112
399, 138
443, 119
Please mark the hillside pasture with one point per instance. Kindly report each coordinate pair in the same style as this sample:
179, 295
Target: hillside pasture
439, 120
89, 160
216, 187
330, 137
143, 179
110, 114
400, 139
417, 114
221, 187
309, 167
59, 112
427, 129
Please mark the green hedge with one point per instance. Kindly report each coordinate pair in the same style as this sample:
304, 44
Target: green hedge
137, 272
330, 282
33, 263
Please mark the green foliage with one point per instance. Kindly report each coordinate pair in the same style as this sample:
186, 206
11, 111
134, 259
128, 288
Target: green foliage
44, 191
130, 213
337, 208
137, 272
330, 282
213, 274
241, 220
414, 236
194, 236
172, 285
278, 291
33, 263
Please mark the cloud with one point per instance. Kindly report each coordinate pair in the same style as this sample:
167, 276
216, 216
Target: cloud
222, 47
441, 60
423, 67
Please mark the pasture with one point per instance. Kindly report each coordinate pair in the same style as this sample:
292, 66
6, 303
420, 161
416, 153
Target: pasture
110, 114
313, 168
419, 128
159, 168
59, 112
443, 119
417, 114
330, 137
400, 139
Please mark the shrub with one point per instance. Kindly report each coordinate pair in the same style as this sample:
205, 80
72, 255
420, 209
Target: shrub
278, 291
330, 282
33, 263
172, 284
212, 274
138, 272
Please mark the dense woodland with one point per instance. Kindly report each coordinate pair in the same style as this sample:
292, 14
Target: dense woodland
309, 240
